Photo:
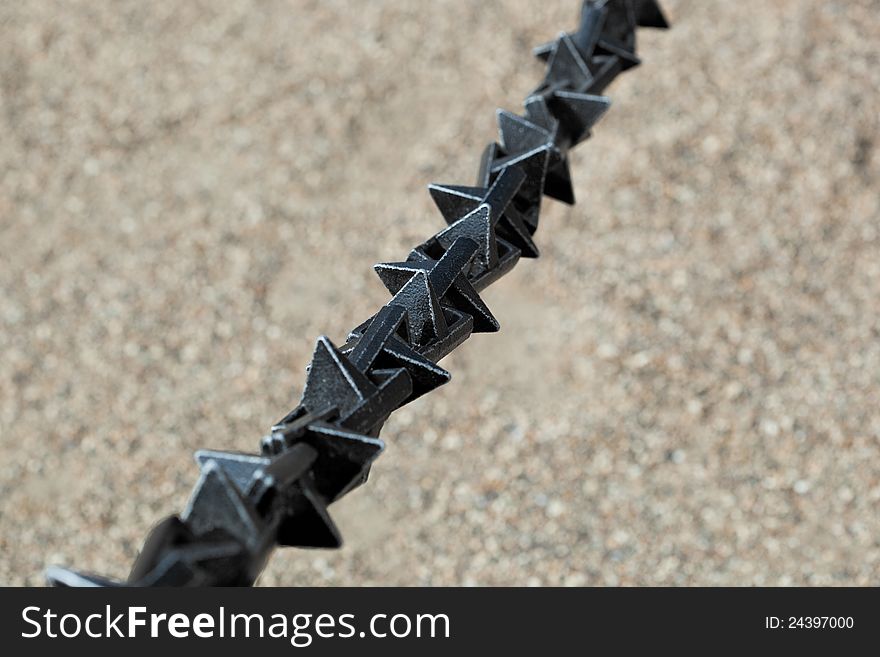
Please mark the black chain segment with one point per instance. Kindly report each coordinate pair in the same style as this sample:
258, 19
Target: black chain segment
244, 505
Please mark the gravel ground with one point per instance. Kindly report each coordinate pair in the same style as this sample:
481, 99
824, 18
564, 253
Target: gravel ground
685, 388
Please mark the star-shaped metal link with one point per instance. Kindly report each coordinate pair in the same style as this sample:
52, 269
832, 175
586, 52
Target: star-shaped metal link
576, 114
448, 279
427, 320
362, 402
234, 488
382, 343
618, 36
218, 503
344, 456
456, 201
567, 68
605, 40
521, 134
332, 376
533, 163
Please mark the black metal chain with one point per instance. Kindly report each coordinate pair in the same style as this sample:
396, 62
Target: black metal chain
244, 505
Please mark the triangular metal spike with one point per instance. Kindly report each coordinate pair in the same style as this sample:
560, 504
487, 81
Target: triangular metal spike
217, 503
461, 295
607, 68
307, 523
538, 112
459, 255
426, 318
476, 225
518, 134
424, 373
628, 59
394, 275
394, 388
455, 201
620, 23
514, 229
284, 491
650, 14
343, 457
333, 377
521, 134
578, 112
240, 468
567, 67
558, 184
534, 164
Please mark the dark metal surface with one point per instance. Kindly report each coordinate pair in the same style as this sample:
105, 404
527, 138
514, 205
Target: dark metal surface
244, 505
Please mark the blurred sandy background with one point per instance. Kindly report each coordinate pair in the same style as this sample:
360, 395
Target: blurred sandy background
685, 388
